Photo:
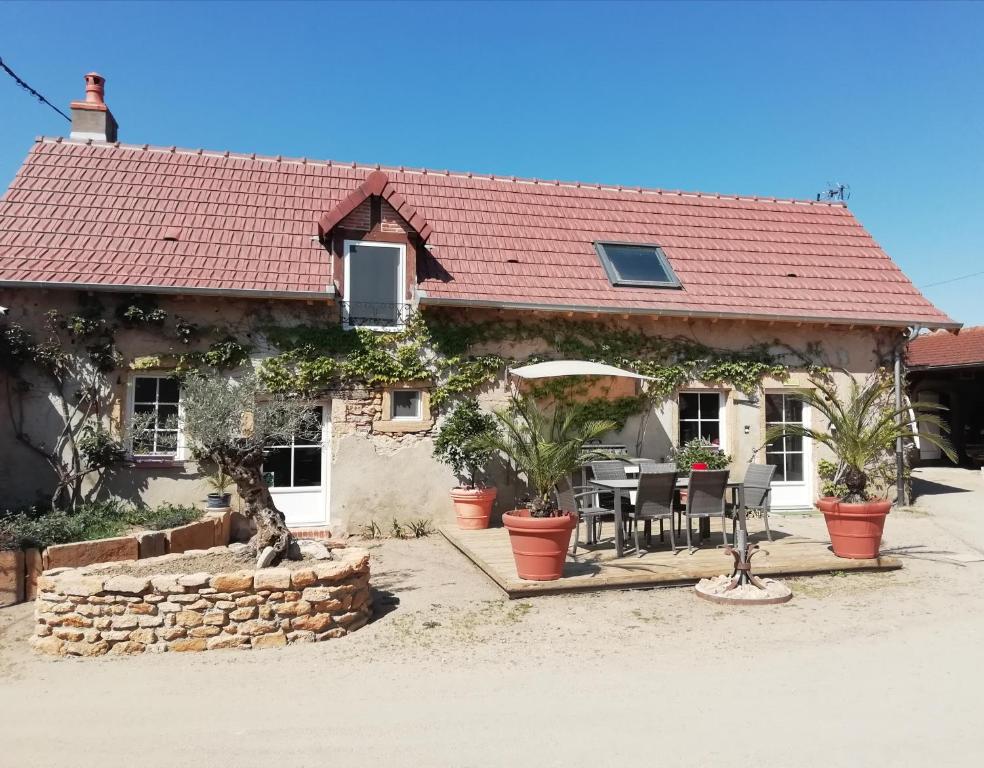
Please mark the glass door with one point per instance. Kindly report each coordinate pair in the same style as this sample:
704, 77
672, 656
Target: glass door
297, 474
791, 485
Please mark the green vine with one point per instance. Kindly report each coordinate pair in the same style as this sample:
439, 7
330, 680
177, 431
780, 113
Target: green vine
442, 351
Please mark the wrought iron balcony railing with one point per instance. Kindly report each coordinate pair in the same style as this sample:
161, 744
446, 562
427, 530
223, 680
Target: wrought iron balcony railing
370, 314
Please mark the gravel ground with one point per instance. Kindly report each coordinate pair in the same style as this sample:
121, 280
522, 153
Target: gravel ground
858, 669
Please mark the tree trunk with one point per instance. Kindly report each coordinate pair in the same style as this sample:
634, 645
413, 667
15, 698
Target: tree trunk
856, 481
271, 527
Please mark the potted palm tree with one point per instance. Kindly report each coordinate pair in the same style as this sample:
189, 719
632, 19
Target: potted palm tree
861, 430
458, 444
545, 446
220, 483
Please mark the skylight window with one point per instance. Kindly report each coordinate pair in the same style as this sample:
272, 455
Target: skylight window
636, 264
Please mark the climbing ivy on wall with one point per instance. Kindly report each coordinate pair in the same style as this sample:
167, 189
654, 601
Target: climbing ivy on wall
440, 349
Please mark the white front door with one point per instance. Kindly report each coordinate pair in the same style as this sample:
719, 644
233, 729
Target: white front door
297, 474
791, 456
927, 450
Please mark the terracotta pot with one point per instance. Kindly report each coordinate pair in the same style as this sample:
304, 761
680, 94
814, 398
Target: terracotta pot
473, 507
539, 544
856, 529
827, 503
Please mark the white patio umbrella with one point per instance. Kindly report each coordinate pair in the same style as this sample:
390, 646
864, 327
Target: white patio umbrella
557, 368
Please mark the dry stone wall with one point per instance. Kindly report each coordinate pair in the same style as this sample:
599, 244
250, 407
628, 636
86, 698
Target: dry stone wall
86, 612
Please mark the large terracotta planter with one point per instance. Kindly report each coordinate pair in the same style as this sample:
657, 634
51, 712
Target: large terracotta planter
827, 503
473, 507
856, 529
539, 544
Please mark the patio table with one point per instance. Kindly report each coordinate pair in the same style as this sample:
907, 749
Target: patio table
629, 485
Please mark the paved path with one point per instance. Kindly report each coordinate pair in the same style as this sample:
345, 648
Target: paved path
954, 497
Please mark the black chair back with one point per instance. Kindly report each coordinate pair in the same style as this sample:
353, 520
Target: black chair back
705, 491
656, 493
651, 465
608, 470
755, 486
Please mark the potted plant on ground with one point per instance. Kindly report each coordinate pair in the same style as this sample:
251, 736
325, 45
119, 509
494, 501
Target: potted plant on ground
546, 446
862, 429
459, 444
220, 483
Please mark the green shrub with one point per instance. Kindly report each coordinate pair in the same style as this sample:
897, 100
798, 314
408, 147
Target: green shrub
35, 527
163, 516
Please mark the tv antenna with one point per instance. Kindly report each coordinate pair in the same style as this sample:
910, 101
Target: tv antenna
840, 192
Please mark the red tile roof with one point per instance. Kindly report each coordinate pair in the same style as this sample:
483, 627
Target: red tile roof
947, 349
99, 214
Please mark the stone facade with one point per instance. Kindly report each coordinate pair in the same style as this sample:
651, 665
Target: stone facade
377, 474
86, 612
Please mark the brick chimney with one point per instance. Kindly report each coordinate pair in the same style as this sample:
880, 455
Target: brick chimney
91, 119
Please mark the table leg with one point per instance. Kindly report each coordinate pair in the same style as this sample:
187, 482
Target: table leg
619, 542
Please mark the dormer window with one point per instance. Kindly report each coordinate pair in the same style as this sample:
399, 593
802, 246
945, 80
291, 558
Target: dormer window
374, 285
636, 264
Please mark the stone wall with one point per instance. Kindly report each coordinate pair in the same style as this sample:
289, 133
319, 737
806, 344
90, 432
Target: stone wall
87, 612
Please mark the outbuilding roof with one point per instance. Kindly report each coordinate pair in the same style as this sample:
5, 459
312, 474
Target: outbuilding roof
163, 218
942, 349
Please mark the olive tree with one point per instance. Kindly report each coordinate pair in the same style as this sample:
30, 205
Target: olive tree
230, 422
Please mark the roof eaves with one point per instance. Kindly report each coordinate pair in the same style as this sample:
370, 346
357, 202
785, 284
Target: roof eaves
611, 310
328, 294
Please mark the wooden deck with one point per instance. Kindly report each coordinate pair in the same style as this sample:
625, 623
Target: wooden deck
598, 568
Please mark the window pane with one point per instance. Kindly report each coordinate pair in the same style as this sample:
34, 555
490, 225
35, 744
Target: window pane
640, 263
310, 433
794, 444
143, 408
710, 404
794, 467
145, 389
168, 390
773, 408
711, 430
406, 405
277, 463
307, 467
776, 446
143, 443
794, 410
688, 431
167, 417
775, 459
688, 405
167, 442
374, 276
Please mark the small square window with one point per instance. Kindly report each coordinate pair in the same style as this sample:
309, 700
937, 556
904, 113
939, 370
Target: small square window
636, 264
406, 405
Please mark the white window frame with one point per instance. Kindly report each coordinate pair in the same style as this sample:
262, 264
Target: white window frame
722, 418
418, 416
807, 446
401, 282
180, 450
322, 445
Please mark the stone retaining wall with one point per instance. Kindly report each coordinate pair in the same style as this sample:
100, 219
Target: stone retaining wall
82, 613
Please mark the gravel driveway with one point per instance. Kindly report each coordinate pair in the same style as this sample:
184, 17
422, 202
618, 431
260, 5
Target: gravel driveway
861, 669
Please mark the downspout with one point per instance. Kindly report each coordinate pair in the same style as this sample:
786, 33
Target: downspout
900, 500
908, 335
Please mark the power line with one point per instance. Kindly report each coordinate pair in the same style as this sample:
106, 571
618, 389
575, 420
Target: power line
30, 90
952, 280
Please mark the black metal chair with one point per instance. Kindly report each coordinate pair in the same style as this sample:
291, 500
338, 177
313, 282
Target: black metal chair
570, 498
654, 501
705, 498
756, 493
651, 465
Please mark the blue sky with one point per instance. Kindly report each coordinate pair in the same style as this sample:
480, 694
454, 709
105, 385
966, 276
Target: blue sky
763, 99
